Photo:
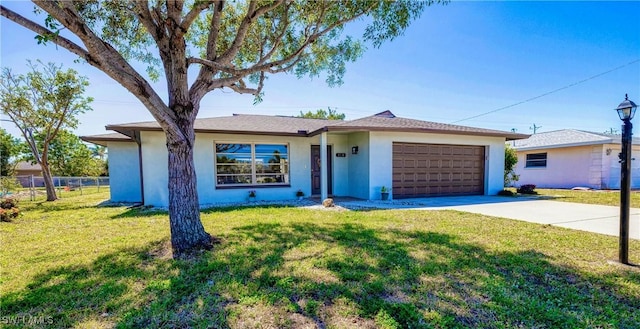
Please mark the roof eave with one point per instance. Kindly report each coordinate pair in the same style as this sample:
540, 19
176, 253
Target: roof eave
130, 131
104, 140
508, 136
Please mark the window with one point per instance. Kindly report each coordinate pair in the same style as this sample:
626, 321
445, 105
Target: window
536, 160
252, 164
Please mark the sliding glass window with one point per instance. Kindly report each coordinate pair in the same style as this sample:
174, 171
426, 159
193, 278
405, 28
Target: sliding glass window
252, 164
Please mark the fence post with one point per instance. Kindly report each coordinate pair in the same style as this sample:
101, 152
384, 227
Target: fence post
32, 190
98, 183
80, 180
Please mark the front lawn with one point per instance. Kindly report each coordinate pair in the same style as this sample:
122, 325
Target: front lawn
72, 264
603, 197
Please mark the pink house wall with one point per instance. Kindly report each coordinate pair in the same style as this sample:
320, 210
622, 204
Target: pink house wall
594, 166
566, 168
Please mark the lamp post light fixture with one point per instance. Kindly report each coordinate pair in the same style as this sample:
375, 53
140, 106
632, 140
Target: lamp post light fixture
626, 110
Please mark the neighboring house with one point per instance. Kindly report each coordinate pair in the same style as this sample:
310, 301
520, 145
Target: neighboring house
24, 168
573, 158
26, 172
277, 156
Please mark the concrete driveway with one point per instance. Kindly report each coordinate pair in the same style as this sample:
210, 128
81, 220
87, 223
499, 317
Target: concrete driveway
578, 216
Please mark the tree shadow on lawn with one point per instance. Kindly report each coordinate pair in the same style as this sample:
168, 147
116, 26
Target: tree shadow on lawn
146, 211
344, 275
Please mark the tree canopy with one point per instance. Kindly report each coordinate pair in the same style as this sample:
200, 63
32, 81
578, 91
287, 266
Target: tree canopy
329, 114
200, 46
510, 161
41, 103
9, 149
69, 156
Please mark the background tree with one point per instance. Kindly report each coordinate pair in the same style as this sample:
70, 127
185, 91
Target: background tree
99, 151
330, 114
9, 149
510, 161
69, 156
41, 103
201, 46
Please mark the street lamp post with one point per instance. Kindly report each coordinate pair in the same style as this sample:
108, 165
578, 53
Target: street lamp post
626, 110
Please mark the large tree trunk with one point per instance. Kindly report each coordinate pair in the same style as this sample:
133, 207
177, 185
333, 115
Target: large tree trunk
48, 182
187, 232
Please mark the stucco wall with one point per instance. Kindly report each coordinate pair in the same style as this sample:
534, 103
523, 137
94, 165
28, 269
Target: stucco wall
594, 166
381, 146
352, 174
340, 180
359, 165
154, 167
611, 167
124, 172
156, 177
566, 168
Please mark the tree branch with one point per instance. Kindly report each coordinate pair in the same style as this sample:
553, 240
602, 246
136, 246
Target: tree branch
281, 65
193, 14
216, 20
241, 87
146, 18
252, 14
109, 60
37, 28
205, 75
212, 65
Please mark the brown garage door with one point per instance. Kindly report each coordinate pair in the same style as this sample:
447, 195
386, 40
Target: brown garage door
431, 169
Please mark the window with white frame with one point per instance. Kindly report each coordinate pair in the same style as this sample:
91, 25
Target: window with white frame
252, 164
536, 160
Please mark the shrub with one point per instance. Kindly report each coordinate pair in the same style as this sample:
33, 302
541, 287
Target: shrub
9, 210
506, 193
9, 184
527, 189
510, 161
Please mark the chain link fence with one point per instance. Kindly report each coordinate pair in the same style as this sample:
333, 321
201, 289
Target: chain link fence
33, 186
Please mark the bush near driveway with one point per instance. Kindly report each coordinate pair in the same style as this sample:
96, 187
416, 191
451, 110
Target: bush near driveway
289, 268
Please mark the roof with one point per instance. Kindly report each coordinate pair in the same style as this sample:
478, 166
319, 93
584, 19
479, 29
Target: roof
27, 166
239, 124
566, 138
386, 121
104, 138
303, 127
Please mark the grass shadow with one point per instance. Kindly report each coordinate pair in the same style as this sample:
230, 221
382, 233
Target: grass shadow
149, 211
332, 275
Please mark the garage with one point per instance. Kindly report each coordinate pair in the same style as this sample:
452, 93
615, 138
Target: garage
421, 170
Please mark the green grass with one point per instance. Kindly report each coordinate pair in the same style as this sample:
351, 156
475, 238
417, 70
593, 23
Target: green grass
81, 266
604, 197
39, 194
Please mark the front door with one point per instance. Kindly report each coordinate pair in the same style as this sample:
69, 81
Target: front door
315, 170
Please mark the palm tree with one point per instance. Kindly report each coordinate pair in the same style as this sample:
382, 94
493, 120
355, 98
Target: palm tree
99, 151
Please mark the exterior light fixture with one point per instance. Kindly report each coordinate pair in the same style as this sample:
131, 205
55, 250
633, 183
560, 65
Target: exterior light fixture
626, 110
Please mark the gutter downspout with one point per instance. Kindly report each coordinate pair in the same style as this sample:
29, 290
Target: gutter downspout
137, 139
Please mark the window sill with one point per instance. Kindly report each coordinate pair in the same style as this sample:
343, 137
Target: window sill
252, 187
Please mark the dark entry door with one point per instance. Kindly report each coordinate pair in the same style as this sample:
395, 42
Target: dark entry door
315, 169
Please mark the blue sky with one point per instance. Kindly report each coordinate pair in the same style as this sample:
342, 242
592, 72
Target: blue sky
457, 61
